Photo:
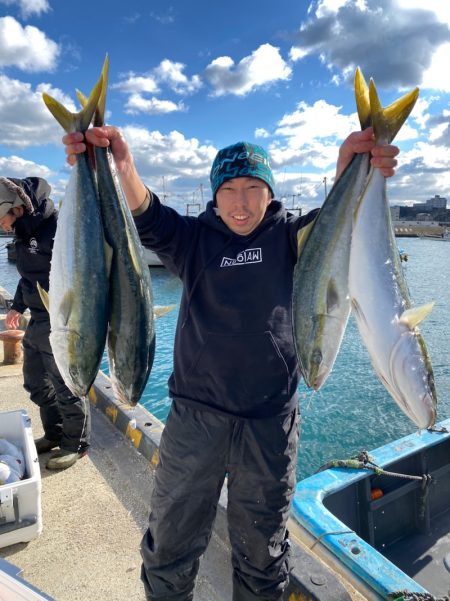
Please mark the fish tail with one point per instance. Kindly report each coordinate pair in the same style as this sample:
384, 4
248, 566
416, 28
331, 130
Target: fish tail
99, 117
388, 121
362, 99
75, 121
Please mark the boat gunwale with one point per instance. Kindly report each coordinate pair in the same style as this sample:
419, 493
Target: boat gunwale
363, 560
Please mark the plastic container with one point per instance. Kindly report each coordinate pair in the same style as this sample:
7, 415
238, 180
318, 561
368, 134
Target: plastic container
20, 502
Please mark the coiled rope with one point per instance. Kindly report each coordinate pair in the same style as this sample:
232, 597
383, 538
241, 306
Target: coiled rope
411, 596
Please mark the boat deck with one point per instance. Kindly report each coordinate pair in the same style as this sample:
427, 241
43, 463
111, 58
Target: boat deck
426, 557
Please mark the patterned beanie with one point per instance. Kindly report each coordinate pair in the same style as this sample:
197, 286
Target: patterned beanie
241, 160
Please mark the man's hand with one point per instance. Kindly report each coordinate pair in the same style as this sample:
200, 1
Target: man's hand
383, 157
12, 319
76, 143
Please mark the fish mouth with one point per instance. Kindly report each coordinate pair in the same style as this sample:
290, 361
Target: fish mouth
314, 376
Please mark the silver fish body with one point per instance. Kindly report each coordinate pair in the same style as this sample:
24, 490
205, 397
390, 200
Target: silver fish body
321, 302
78, 292
131, 331
380, 298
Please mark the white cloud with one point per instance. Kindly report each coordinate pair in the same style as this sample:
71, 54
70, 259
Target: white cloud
420, 112
136, 84
27, 48
264, 66
183, 162
437, 77
29, 7
168, 73
24, 118
136, 103
440, 8
166, 18
261, 133
172, 74
426, 163
395, 42
14, 166
296, 54
307, 116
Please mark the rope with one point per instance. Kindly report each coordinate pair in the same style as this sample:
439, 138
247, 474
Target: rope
411, 596
319, 538
364, 461
442, 430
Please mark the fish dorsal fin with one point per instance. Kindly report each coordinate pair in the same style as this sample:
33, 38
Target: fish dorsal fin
302, 236
362, 99
388, 121
332, 296
133, 250
108, 257
65, 307
412, 317
44, 296
75, 121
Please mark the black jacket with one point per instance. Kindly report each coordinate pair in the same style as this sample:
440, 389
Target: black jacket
234, 350
33, 237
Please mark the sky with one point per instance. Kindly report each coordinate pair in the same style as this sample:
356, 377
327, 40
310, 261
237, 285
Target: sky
188, 78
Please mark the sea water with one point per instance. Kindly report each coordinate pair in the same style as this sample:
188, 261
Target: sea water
353, 411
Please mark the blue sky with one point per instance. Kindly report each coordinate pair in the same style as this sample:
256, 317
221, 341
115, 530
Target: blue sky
187, 78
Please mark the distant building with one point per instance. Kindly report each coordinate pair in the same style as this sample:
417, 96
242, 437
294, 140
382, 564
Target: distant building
395, 213
437, 202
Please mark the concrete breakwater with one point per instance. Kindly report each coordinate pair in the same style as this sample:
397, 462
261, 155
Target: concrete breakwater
419, 229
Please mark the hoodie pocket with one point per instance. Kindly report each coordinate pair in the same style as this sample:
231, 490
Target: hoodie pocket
238, 370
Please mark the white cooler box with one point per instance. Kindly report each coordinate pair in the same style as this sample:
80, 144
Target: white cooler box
20, 502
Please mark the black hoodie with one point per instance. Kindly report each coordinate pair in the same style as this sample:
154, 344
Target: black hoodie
234, 350
34, 233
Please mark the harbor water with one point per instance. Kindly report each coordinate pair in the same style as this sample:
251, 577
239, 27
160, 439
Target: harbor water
353, 411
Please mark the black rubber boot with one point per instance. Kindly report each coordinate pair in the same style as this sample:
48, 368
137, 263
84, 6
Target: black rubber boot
44, 445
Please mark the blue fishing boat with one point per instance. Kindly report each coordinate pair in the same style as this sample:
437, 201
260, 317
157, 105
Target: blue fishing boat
385, 526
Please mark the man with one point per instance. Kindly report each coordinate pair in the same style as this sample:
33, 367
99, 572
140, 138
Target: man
27, 210
235, 378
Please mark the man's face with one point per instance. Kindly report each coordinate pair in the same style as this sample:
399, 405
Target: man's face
8, 220
242, 203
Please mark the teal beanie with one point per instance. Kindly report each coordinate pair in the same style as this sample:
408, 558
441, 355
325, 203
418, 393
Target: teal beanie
241, 160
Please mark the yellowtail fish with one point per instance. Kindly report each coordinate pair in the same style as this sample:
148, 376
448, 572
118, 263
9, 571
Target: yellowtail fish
379, 294
131, 331
321, 301
78, 294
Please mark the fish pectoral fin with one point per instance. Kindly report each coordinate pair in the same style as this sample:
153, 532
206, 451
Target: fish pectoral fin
65, 307
44, 296
356, 308
332, 296
302, 236
108, 257
412, 317
133, 254
160, 310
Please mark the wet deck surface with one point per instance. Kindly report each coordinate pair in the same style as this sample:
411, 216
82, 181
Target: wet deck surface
425, 557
